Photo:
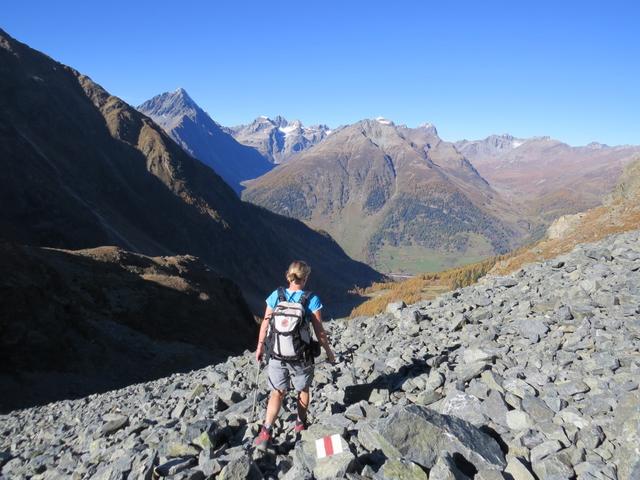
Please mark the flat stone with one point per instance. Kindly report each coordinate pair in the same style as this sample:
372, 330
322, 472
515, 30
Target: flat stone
532, 329
461, 405
517, 469
570, 388
545, 449
489, 475
395, 308
334, 466
537, 409
397, 469
175, 466
552, 468
476, 354
492, 380
242, 468
113, 425
518, 387
518, 420
495, 408
446, 469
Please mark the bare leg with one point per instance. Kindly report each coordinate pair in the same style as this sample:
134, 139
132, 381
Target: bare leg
303, 404
273, 407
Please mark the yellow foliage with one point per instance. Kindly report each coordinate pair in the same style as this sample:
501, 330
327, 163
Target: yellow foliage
421, 287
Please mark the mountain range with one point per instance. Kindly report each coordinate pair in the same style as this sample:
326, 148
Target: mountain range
546, 178
521, 184
278, 139
392, 195
200, 136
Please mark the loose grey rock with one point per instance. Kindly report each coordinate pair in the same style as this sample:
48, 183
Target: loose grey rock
395, 469
518, 420
419, 433
446, 469
544, 360
517, 469
114, 424
241, 468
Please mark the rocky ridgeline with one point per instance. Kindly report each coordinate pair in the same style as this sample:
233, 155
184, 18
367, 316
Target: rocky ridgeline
529, 376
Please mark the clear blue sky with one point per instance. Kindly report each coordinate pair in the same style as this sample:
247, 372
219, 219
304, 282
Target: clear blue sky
569, 69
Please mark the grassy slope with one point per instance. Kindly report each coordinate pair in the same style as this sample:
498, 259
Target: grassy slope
619, 213
420, 287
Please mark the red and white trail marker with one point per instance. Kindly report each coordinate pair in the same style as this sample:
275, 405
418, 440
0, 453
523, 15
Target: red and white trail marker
330, 445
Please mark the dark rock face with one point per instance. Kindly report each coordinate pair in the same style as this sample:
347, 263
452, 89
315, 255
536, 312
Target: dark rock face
194, 130
411, 397
79, 322
82, 169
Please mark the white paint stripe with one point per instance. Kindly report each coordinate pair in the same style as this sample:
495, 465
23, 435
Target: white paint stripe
336, 442
320, 451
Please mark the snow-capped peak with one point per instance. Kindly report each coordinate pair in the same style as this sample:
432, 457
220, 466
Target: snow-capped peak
383, 121
288, 129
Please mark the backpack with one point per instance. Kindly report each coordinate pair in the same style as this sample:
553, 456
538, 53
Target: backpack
289, 335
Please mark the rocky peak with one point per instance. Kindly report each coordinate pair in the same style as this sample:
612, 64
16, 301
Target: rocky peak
170, 104
279, 139
384, 121
429, 128
280, 121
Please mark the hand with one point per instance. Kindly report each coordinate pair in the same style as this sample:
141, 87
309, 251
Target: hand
331, 358
259, 352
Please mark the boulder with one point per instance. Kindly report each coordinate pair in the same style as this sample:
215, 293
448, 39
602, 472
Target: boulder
419, 434
241, 468
332, 466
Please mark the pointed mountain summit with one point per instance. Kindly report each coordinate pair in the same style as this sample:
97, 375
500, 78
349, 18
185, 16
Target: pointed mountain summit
278, 139
203, 138
396, 197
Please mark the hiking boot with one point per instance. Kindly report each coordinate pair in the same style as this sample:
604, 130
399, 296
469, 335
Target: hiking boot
299, 427
263, 440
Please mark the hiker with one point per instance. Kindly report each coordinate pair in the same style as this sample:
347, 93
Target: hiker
290, 355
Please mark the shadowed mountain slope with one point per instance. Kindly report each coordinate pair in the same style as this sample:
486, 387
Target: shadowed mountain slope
78, 322
194, 130
82, 169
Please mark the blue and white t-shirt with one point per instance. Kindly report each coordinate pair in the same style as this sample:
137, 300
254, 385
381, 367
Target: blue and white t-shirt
313, 305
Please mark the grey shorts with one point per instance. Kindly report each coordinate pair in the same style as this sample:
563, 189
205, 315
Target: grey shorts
279, 374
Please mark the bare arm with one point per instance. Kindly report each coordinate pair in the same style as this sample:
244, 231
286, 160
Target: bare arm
321, 334
263, 333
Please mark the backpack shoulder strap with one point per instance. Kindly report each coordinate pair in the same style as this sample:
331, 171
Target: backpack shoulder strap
304, 299
281, 295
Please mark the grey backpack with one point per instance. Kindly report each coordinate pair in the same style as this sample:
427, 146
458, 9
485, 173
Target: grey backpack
289, 333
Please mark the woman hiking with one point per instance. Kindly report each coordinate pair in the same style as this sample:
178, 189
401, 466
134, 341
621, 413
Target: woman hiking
285, 341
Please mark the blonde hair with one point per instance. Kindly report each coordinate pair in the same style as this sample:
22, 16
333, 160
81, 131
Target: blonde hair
298, 272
